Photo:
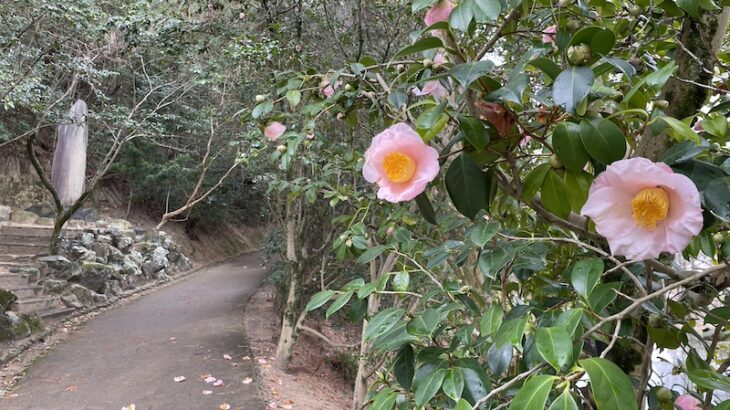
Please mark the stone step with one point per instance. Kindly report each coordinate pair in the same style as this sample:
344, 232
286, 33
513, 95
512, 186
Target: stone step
23, 249
13, 280
26, 292
35, 305
29, 239
16, 260
54, 313
40, 231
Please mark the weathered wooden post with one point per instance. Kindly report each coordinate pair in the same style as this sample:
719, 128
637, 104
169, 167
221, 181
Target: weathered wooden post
68, 173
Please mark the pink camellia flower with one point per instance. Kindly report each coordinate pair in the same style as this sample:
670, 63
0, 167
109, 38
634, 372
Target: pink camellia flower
439, 12
400, 163
643, 208
548, 35
274, 130
432, 87
440, 59
329, 90
688, 402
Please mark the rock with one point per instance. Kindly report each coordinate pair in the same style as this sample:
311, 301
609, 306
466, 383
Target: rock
54, 286
86, 214
115, 255
113, 288
99, 298
23, 217
6, 328
71, 300
136, 257
93, 275
102, 251
87, 240
125, 243
169, 244
56, 262
5, 212
158, 261
83, 254
7, 298
33, 273
184, 263
45, 210
120, 224
14, 317
82, 294
107, 239
130, 267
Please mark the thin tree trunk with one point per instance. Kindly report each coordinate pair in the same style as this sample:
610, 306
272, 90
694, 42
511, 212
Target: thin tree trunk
290, 321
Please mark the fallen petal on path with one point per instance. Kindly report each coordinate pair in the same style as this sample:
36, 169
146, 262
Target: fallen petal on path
227, 357
247, 380
207, 392
179, 379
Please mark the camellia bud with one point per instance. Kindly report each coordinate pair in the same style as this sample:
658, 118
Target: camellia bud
563, 3
281, 148
400, 68
555, 162
664, 395
260, 98
340, 115
573, 25
428, 63
718, 237
635, 10
655, 320
389, 231
343, 237
348, 87
579, 54
662, 104
348, 243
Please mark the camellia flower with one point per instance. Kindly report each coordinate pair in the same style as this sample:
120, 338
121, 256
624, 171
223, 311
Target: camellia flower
274, 130
643, 208
400, 163
548, 35
688, 402
329, 90
432, 87
439, 12
440, 59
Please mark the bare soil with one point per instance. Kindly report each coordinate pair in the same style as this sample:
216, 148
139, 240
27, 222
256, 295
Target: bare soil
316, 376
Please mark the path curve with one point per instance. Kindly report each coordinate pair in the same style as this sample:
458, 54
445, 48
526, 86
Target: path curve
130, 355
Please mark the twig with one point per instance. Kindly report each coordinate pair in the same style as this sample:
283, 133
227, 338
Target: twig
507, 385
319, 335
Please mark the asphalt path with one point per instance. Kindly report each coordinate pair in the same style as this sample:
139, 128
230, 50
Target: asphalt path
132, 354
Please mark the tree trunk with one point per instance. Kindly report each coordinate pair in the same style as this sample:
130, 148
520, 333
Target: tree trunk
289, 320
699, 41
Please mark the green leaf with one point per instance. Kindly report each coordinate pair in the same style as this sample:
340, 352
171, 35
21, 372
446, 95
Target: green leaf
426, 209
262, 109
475, 131
681, 131
682, 152
405, 366
319, 299
569, 147
622, 65
578, 184
512, 91
564, 402
603, 140
601, 41
603, 295
467, 73
533, 181
571, 86
553, 193
424, 323
491, 320
421, 4
294, 97
709, 379
486, 10
424, 44
453, 383
499, 357
717, 197
715, 125
429, 117
585, 275
612, 388
511, 331
533, 394
383, 322
476, 381
491, 261
467, 186
462, 15
462, 405
384, 400
427, 382
483, 232
569, 320
691, 7
700, 172
718, 316
339, 303
547, 66
372, 253
554, 345
401, 281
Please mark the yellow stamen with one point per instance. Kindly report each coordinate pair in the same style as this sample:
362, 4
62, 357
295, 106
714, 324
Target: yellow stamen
650, 206
399, 167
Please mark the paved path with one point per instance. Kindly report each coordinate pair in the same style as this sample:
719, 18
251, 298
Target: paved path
131, 354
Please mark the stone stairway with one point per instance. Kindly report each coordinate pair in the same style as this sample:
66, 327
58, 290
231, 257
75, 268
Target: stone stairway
20, 244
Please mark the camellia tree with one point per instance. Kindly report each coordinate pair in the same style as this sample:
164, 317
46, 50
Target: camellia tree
538, 199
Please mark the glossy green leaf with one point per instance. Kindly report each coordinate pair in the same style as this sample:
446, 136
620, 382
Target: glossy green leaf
511, 331
603, 295
555, 346
426, 208
427, 382
467, 73
681, 131
700, 172
476, 381
491, 320
294, 97
339, 303
486, 10
383, 322
405, 366
682, 152
717, 197
553, 193
571, 86
372, 253
462, 405
384, 400
533, 394
462, 15
586, 274
564, 402
612, 388
569, 147
603, 140
453, 384
483, 232
401, 280
709, 379
533, 181
475, 131
491, 261
319, 299
428, 43
467, 186
547, 66
578, 184
499, 357
424, 323
715, 125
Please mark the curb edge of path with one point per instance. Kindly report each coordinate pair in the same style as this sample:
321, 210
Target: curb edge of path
113, 302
